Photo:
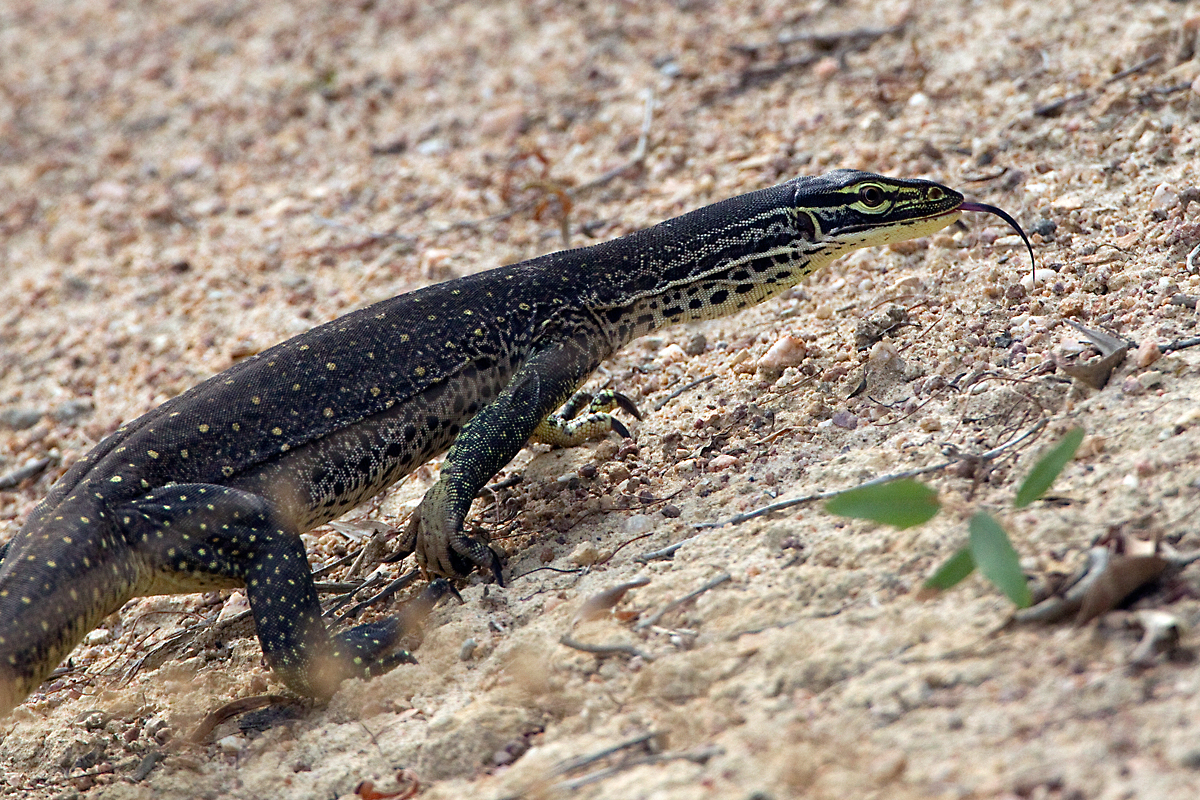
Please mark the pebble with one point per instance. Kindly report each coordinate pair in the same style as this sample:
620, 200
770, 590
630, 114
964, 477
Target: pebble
1067, 202
844, 419
73, 410
584, 555
695, 345
618, 472
638, 524
20, 418
1188, 418
723, 461
1150, 380
1039, 277
672, 354
826, 68
1044, 228
98, 636
1164, 198
1147, 353
787, 352
232, 744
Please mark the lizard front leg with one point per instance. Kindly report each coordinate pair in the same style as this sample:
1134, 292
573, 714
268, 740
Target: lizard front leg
485, 445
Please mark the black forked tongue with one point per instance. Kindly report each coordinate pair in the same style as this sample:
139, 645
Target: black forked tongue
1002, 214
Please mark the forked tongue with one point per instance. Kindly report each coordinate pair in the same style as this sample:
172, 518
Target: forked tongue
1002, 214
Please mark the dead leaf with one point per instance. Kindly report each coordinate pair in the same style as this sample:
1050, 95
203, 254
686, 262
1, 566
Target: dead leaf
1122, 577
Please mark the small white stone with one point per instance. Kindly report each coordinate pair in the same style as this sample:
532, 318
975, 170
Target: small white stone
232, 744
789, 351
723, 461
638, 524
1189, 417
1146, 354
1067, 202
585, 555
98, 636
1164, 198
1040, 277
672, 354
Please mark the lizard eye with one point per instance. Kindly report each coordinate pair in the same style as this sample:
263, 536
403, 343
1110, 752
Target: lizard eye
871, 196
935, 194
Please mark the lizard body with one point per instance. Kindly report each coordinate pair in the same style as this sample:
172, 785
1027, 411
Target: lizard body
212, 488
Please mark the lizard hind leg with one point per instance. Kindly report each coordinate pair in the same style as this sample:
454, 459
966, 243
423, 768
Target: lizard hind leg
197, 536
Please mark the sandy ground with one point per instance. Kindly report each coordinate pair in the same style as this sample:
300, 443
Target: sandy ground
184, 184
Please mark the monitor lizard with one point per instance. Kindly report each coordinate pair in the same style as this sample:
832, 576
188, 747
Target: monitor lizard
212, 488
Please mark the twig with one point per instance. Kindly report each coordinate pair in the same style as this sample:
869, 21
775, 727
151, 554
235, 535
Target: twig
674, 604
1141, 66
369, 237
639, 152
604, 649
346, 559
665, 552
579, 762
698, 382
214, 718
13, 479
698, 756
769, 72
783, 505
1055, 107
821, 41
1180, 344
384, 594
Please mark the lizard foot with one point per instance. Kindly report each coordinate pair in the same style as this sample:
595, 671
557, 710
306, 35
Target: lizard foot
441, 547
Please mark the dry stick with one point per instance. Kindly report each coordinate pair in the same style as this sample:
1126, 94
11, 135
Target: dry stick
579, 762
14, 478
698, 382
699, 756
783, 505
847, 41
674, 604
393, 587
1141, 66
1180, 344
821, 41
572, 764
604, 649
240, 706
1055, 106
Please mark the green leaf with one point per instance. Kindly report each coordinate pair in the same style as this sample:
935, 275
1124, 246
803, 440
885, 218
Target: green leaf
1047, 468
902, 503
953, 572
997, 560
